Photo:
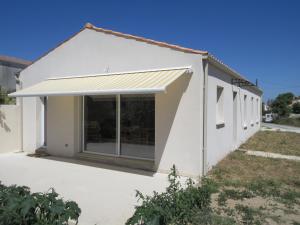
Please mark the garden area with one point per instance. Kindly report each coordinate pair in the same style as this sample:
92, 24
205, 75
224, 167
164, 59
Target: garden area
241, 189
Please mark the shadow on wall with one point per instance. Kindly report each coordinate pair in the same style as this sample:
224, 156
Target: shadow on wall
2, 122
166, 109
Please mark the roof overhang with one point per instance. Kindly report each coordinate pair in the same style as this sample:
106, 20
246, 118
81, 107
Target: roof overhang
222, 66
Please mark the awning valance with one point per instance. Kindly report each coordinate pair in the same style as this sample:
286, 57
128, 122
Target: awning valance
103, 84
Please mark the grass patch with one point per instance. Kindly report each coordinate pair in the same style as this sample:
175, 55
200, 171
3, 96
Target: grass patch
288, 121
255, 190
287, 143
237, 169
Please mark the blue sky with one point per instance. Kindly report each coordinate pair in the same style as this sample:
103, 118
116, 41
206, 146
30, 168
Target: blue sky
260, 39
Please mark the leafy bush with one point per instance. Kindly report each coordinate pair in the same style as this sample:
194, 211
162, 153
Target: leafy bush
281, 104
4, 99
177, 205
19, 207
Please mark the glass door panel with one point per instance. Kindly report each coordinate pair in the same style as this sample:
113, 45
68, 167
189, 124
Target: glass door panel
100, 120
137, 121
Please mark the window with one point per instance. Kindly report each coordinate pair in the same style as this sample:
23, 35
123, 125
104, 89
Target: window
257, 111
252, 110
245, 111
220, 106
120, 125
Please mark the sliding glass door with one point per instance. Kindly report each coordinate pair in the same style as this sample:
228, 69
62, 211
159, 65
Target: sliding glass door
122, 126
100, 119
137, 125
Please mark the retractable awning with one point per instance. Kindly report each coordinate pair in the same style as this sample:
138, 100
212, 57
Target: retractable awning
102, 84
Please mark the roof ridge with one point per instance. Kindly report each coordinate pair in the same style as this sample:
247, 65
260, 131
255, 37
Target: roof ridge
146, 40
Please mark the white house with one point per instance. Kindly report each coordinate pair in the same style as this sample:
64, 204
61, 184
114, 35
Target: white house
121, 99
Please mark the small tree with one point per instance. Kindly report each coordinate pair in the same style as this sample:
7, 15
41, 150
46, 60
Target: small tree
286, 97
296, 107
281, 104
281, 108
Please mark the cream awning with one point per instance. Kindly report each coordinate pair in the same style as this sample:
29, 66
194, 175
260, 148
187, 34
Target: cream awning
102, 84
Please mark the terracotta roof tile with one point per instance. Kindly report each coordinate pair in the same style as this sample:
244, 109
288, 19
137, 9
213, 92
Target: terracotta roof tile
146, 40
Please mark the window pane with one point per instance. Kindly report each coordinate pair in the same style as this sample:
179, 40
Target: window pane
138, 125
100, 124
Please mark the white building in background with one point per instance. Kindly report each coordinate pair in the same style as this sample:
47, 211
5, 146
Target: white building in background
130, 101
9, 68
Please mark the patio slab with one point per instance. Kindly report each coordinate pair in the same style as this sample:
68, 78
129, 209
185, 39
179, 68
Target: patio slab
105, 194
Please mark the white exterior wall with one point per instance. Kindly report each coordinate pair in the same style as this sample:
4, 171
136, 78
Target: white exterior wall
178, 112
61, 125
220, 141
10, 133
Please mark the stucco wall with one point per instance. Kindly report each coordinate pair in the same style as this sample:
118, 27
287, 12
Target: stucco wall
178, 115
61, 126
9, 128
220, 140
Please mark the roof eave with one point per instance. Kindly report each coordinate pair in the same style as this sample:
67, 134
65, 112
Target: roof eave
218, 63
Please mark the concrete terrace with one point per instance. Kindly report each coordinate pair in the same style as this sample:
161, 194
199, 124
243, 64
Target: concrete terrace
105, 194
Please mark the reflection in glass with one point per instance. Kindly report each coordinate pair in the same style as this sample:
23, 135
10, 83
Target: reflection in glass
100, 124
138, 126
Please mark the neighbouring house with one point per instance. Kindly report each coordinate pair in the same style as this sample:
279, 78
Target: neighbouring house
296, 100
126, 100
266, 107
9, 68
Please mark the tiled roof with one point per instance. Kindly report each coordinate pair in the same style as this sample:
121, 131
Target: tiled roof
149, 41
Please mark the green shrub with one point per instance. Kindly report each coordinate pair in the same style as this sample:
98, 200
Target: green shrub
178, 205
4, 99
19, 207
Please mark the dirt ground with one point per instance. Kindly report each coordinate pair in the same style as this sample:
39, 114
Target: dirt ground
256, 190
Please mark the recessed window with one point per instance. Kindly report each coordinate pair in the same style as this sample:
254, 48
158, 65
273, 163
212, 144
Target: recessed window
245, 111
252, 110
220, 106
257, 111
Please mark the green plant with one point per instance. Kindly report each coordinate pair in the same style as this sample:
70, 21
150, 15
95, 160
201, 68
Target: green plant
264, 187
4, 99
176, 206
281, 104
19, 207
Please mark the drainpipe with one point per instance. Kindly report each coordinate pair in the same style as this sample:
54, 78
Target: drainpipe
204, 133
